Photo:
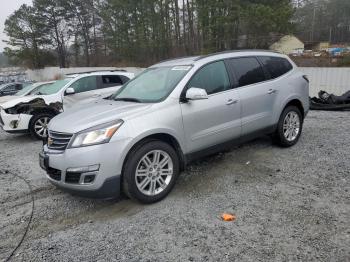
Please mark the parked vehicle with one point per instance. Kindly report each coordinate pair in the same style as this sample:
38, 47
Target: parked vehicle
140, 138
10, 89
32, 113
28, 90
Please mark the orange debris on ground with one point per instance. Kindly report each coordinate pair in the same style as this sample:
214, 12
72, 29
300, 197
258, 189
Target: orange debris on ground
228, 217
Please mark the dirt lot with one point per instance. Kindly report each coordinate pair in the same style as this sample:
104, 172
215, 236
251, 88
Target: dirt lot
291, 204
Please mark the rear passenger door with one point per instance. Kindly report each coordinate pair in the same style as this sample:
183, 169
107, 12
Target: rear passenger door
256, 94
84, 88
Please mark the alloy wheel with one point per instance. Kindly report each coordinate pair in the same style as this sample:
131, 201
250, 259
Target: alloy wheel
40, 126
291, 126
154, 172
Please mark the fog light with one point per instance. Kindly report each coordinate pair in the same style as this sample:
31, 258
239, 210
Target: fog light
14, 124
84, 169
89, 179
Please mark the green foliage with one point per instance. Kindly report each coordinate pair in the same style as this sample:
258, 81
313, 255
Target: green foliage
323, 20
102, 32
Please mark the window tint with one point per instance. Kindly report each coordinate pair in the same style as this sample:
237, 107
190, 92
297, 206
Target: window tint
276, 66
85, 84
111, 80
247, 70
19, 86
213, 78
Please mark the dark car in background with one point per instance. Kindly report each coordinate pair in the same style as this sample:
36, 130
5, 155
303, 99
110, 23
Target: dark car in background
11, 88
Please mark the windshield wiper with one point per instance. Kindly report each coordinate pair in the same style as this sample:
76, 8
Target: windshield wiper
128, 99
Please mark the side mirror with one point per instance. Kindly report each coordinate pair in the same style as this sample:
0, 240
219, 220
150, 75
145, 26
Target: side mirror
196, 94
70, 91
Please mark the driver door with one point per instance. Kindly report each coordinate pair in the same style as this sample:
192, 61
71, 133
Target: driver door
84, 89
214, 120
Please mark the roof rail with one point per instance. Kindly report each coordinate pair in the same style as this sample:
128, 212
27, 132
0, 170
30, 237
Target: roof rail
175, 58
236, 51
96, 71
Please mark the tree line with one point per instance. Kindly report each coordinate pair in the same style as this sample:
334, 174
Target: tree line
323, 20
141, 32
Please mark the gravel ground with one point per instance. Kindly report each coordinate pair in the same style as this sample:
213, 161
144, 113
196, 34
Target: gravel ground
291, 204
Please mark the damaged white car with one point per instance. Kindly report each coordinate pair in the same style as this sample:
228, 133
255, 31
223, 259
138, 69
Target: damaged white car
33, 113
26, 91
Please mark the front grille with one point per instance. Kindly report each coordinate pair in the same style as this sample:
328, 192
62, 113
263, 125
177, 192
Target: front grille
72, 178
58, 141
54, 173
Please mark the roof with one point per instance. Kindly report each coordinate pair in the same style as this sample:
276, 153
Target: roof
101, 72
221, 55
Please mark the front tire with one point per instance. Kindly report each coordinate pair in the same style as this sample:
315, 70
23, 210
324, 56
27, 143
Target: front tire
150, 171
38, 125
289, 127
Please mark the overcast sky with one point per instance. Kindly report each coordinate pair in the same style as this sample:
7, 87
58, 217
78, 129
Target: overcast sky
6, 9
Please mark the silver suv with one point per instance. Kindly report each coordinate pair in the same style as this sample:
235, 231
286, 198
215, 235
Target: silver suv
139, 139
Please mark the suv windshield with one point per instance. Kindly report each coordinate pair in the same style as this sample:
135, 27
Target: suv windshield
51, 88
153, 85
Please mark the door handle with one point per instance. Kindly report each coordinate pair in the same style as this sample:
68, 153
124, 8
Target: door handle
231, 102
272, 91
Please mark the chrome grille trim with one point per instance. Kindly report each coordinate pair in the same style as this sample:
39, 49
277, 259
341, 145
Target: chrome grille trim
58, 141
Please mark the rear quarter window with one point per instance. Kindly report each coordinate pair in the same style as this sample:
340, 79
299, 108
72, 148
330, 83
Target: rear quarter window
276, 66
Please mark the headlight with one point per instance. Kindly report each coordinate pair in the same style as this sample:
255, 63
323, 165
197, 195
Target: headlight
96, 135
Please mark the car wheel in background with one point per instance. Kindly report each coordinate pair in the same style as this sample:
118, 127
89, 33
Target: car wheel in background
289, 127
150, 171
38, 125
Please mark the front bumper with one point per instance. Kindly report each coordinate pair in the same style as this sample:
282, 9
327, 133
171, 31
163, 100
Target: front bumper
14, 123
93, 171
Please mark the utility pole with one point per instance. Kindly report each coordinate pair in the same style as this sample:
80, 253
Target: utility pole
313, 25
330, 35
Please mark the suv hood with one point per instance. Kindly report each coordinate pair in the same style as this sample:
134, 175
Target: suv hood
85, 116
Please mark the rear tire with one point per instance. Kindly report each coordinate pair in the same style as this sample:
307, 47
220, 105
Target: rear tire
150, 172
38, 125
289, 127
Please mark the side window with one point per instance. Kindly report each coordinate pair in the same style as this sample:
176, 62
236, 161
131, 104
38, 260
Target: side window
85, 84
247, 70
276, 66
213, 78
125, 79
111, 80
19, 86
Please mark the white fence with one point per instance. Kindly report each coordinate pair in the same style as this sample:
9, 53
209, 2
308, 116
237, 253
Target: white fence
331, 79
51, 73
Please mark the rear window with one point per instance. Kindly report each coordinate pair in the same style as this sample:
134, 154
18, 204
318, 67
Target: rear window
247, 70
276, 66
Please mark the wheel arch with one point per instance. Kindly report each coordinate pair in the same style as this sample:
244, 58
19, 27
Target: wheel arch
160, 136
294, 101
